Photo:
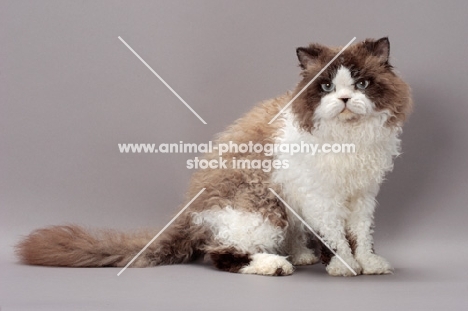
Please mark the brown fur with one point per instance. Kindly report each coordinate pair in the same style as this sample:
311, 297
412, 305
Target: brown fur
244, 189
229, 260
76, 247
325, 254
352, 242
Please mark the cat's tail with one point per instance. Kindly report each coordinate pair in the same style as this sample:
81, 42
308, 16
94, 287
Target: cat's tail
74, 246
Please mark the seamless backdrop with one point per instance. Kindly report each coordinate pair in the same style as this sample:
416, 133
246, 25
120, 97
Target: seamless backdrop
70, 91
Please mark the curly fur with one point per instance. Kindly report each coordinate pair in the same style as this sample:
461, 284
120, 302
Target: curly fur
241, 225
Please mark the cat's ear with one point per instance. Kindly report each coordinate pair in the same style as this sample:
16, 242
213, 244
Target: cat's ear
379, 48
308, 56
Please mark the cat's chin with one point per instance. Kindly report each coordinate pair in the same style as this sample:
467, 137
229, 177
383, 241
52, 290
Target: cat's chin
348, 116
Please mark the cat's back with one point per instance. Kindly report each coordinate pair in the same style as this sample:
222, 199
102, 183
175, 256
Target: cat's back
254, 125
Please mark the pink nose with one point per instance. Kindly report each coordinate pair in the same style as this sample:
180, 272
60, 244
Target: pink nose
345, 99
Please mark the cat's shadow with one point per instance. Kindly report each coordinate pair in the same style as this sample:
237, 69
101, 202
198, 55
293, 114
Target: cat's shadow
424, 140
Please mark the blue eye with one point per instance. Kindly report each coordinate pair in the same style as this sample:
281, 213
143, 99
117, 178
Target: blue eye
327, 87
362, 84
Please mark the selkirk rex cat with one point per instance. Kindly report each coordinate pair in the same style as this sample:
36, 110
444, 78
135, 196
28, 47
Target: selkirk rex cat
238, 222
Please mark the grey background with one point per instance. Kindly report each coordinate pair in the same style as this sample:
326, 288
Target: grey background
71, 91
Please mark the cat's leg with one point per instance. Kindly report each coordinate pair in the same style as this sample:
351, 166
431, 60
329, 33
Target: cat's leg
359, 230
301, 245
245, 242
327, 217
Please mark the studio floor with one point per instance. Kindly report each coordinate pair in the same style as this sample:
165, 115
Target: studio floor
430, 284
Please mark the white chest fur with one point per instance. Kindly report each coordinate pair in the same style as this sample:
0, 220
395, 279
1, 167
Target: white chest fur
336, 175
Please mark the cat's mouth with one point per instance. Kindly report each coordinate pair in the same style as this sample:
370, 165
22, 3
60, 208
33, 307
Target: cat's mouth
347, 115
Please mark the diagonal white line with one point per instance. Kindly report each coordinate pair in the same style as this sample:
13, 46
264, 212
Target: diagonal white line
312, 230
313, 79
157, 235
162, 80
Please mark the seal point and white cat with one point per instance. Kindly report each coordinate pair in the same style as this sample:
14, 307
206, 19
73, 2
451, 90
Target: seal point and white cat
237, 222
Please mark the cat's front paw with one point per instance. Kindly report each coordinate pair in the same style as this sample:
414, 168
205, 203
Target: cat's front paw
338, 268
305, 258
374, 264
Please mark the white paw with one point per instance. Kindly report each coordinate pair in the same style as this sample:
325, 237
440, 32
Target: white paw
305, 258
374, 264
268, 264
337, 268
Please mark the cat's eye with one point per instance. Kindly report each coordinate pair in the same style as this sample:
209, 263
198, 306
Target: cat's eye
327, 87
362, 84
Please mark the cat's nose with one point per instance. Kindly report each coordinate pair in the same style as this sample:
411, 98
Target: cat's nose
345, 99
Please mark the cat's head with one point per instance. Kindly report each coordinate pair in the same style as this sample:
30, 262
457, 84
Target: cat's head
359, 84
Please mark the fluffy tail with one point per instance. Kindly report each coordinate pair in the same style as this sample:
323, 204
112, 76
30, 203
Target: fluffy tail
73, 246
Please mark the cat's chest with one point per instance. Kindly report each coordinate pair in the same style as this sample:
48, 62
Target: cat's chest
344, 166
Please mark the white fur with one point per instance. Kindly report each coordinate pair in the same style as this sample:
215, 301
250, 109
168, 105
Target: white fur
248, 232
268, 264
374, 264
337, 268
335, 192
303, 256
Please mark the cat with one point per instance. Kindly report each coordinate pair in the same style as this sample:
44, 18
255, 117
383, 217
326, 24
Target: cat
241, 222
